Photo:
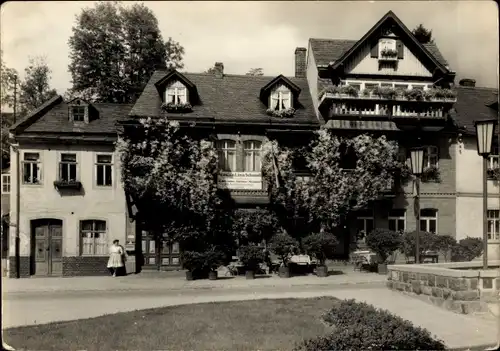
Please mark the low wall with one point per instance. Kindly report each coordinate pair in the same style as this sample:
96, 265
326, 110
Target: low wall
456, 286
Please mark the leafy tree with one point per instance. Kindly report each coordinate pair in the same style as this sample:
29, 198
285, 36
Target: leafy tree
255, 72
467, 249
321, 245
211, 70
444, 244
35, 89
427, 242
115, 49
254, 226
383, 242
7, 77
423, 35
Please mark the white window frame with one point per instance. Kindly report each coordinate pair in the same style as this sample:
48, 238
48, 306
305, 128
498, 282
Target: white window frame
252, 149
431, 152
6, 183
396, 220
177, 92
98, 164
365, 219
32, 163
494, 158
386, 43
428, 219
68, 164
224, 148
103, 243
84, 110
493, 222
282, 96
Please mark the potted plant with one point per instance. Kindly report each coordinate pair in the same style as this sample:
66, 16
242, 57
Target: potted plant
385, 92
430, 173
383, 242
282, 245
251, 256
334, 90
202, 264
366, 93
191, 261
349, 90
321, 246
415, 94
450, 94
181, 107
493, 173
389, 53
286, 113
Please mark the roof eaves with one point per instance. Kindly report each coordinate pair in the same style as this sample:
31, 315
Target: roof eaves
35, 113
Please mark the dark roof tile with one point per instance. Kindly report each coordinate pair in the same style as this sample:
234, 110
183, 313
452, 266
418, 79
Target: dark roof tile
471, 105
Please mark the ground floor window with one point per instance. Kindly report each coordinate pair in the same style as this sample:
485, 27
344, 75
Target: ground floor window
493, 224
364, 223
397, 220
428, 220
94, 241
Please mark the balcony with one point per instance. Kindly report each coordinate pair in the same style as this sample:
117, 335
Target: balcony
385, 111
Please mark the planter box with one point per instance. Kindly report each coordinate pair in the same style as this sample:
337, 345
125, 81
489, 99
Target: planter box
63, 184
382, 268
212, 275
284, 272
322, 271
249, 274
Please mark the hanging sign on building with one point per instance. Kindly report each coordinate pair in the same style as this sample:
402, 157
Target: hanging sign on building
240, 180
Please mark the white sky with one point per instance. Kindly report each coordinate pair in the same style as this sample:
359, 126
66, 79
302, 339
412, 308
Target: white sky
250, 34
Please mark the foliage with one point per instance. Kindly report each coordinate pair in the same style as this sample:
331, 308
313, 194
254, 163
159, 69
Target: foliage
494, 173
254, 226
427, 242
282, 244
359, 326
7, 78
349, 90
383, 242
35, 89
165, 171
177, 108
286, 113
202, 262
467, 249
431, 173
389, 53
385, 92
251, 255
414, 94
444, 244
329, 90
422, 34
321, 245
114, 50
255, 72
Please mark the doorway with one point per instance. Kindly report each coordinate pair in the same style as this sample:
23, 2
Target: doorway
46, 247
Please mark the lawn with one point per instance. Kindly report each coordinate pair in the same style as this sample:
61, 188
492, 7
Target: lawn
242, 325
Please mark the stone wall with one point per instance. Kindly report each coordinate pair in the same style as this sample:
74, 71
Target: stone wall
466, 290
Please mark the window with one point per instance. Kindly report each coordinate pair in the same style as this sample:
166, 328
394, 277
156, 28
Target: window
417, 86
176, 93
67, 167
431, 157
227, 155
252, 156
370, 86
428, 220
104, 170
494, 158
5, 183
401, 86
93, 238
281, 99
78, 113
387, 44
364, 223
31, 168
493, 224
356, 86
386, 85
397, 220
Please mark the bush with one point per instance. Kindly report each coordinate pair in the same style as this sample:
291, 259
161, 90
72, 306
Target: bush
427, 241
383, 242
467, 249
251, 256
283, 244
359, 326
200, 263
320, 245
444, 244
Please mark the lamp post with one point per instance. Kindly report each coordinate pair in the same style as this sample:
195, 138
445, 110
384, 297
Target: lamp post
417, 166
484, 132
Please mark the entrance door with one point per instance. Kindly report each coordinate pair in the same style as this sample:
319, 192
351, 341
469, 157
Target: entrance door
47, 235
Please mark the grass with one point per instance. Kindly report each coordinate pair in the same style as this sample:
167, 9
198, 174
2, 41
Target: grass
241, 325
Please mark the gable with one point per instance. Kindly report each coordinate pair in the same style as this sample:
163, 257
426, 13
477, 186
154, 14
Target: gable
175, 79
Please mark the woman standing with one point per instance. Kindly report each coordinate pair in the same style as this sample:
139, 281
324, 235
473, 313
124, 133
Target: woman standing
115, 257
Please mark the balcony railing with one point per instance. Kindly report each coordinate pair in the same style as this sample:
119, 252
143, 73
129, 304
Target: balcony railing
350, 109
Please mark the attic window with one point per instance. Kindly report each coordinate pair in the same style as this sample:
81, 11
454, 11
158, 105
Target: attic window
176, 93
387, 44
78, 113
280, 99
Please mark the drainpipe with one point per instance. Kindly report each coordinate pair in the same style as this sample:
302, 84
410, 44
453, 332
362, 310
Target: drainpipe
17, 241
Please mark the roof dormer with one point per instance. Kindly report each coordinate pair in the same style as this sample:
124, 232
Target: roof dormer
280, 97
80, 111
178, 94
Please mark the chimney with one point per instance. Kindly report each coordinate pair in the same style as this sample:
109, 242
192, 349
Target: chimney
219, 70
300, 62
467, 82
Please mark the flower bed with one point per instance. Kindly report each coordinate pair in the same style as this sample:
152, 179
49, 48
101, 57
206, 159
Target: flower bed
455, 286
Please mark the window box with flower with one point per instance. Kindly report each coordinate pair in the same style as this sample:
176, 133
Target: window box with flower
285, 113
68, 184
414, 94
388, 55
493, 174
431, 174
385, 92
182, 107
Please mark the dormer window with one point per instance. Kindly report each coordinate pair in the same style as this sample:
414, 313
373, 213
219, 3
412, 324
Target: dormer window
176, 93
387, 44
78, 113
280, 99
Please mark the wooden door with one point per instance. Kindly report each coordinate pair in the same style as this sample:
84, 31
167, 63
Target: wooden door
48, 247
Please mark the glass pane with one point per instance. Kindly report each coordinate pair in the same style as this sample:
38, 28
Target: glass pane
423, 225
100, 226
428, 212
497, 227
86, 225
107, 175
72, 172
100, 175
360, 224
392, 225
31, 156
231, 160
64, 171
27, 176
257, 162
104, 158
248, 161
144, 246
68, 157
369, 225
397, 212
175, 248
432, 226
152, 247
165, 261
175, 260
401, 224
490, 227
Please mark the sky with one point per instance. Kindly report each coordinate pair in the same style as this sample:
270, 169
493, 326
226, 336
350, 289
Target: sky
264, 34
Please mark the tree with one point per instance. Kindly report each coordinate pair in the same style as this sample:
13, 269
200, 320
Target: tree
7, 78
254, 226
255, 72
211, 70
114, 50
35, 89
423, 35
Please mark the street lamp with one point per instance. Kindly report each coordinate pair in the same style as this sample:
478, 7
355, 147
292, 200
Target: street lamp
484, 132
417, 167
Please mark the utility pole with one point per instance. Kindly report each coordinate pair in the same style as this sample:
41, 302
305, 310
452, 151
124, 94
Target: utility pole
18, 194
15, 97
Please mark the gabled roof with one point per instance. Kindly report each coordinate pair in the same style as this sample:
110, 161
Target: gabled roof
472, 104
31, 117
335, 51
234, 98
281, 78
169, 75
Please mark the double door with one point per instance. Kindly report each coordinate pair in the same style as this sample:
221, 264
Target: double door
47, 239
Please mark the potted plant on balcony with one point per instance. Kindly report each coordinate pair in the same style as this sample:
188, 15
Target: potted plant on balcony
450, 95
431, 173
414, 94
334, 90
182, 107
251, 256
385, 92
383, 242
389, 53
322, 247
282, 245
349, 90
286, 113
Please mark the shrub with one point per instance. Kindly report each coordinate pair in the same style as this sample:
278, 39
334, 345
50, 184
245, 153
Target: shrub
444, 244
282, 244
320, 245
383, 242
202, 262
467, 249
251, 255
426, 242
359, 326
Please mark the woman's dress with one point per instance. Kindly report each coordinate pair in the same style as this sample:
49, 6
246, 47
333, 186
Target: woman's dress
115, 257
